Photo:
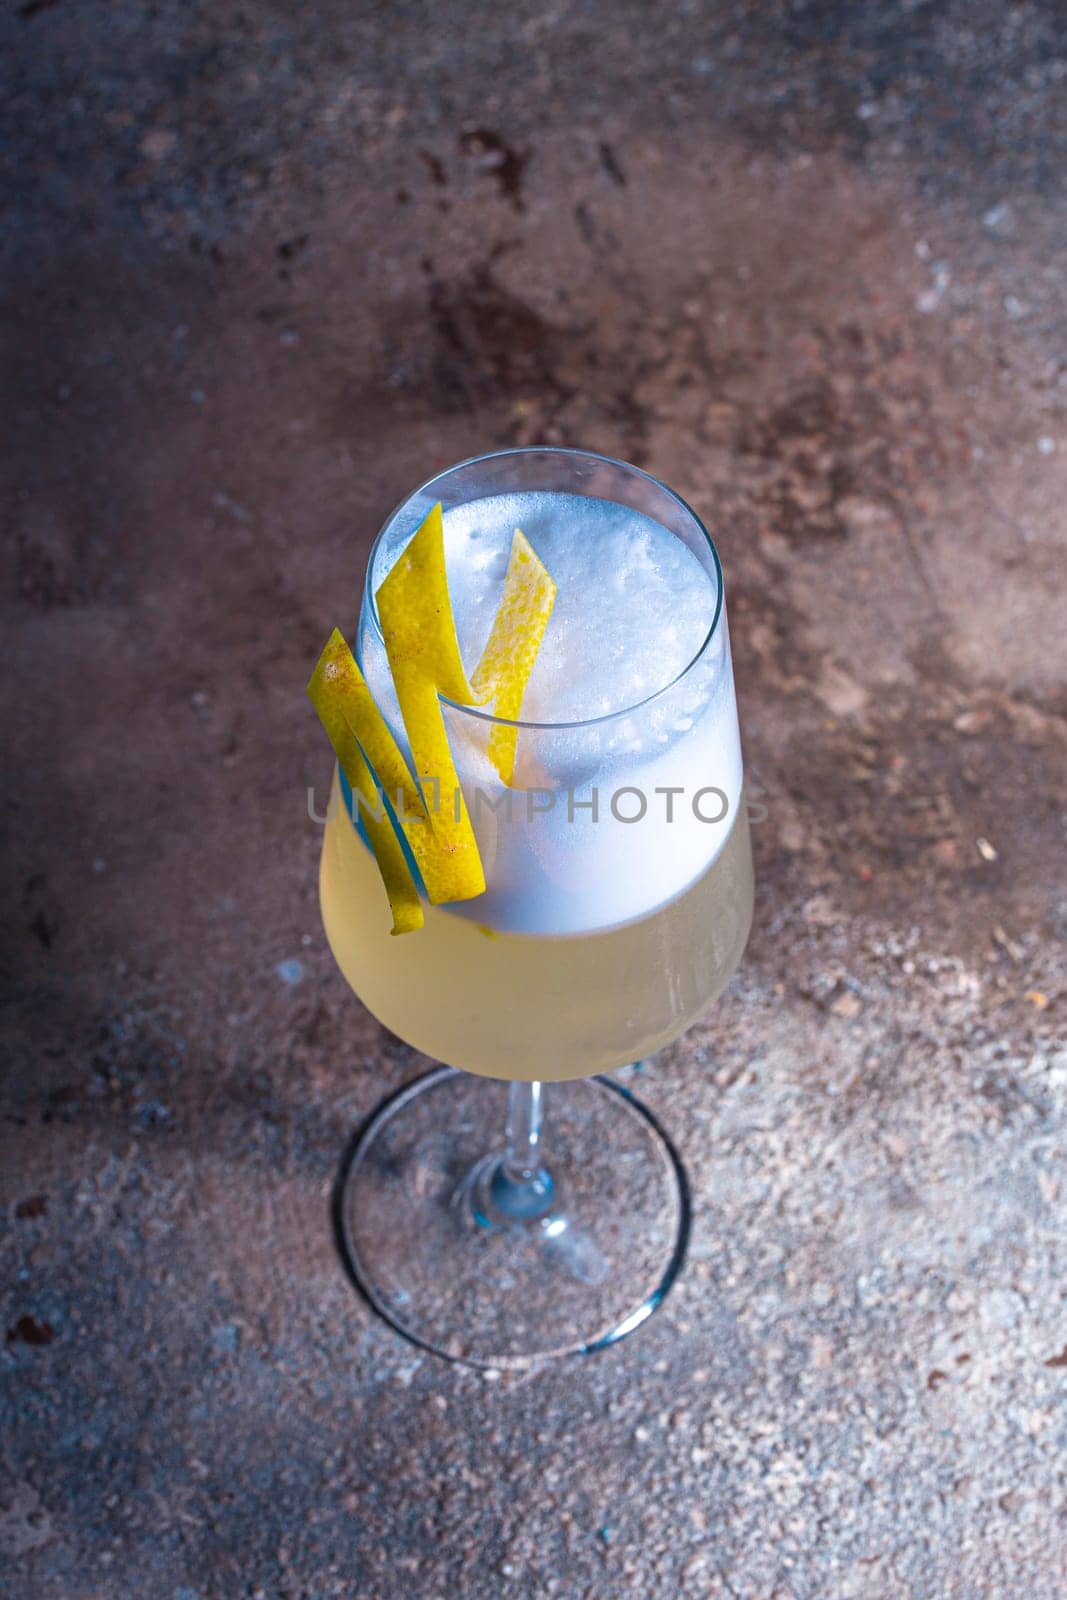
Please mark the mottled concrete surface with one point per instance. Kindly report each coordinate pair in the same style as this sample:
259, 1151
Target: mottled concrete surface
266, 266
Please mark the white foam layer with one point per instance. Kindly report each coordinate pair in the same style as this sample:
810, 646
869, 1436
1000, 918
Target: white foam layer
633, 606
633, 609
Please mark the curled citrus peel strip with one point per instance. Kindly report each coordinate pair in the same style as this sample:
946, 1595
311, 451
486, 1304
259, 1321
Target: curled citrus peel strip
419, 631
348, 713
515, 638
415, 613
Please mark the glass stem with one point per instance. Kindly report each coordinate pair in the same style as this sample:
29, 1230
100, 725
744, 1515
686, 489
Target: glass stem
526, 1115
521, 1185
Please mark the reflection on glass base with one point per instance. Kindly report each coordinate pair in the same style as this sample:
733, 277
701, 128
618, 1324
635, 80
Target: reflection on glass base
427, 1242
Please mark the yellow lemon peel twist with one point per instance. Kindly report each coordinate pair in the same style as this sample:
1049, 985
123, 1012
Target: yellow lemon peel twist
347, 711
418, 627
511, 650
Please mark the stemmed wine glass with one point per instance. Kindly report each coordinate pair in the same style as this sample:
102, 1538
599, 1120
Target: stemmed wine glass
516, 1204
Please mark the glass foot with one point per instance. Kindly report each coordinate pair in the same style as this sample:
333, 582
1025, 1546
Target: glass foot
465, 1261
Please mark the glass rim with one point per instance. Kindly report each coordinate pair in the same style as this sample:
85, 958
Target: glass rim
479, 712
